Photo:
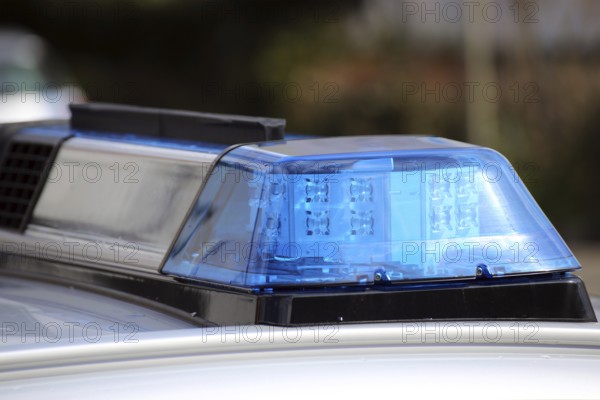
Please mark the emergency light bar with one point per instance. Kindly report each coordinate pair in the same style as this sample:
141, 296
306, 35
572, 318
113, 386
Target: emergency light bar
364, 211
150, 203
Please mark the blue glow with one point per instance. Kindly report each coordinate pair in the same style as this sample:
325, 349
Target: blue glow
204, 147
362, 210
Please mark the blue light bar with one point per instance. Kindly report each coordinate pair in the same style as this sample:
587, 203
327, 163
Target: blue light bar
364, 210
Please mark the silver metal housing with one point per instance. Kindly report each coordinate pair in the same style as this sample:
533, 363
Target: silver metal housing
111, 203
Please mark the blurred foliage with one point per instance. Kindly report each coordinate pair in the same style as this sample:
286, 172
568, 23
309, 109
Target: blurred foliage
351, 67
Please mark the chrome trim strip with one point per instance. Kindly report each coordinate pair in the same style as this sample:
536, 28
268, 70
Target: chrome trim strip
527, 338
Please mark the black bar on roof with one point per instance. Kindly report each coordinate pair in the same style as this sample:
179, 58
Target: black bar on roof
175, 124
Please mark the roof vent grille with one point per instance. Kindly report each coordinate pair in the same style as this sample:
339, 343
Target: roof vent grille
21, 172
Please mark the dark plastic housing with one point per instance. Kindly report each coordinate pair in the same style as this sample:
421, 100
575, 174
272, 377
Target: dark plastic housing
548, 298
175, 124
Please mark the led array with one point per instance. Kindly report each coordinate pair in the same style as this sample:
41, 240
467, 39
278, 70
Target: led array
452, 205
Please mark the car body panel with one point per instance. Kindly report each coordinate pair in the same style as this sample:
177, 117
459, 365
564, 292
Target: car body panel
38, 312
489, 358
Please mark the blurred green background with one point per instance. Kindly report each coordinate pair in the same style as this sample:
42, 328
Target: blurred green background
520, 76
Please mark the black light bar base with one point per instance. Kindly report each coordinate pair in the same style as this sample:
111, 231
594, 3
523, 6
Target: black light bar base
560, 297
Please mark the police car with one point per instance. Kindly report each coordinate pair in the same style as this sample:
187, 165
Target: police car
167, 254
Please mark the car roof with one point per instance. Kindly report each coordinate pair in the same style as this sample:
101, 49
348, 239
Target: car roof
33, 311
534, 359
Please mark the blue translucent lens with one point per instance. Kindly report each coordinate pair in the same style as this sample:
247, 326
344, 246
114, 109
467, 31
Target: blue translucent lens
362, 210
